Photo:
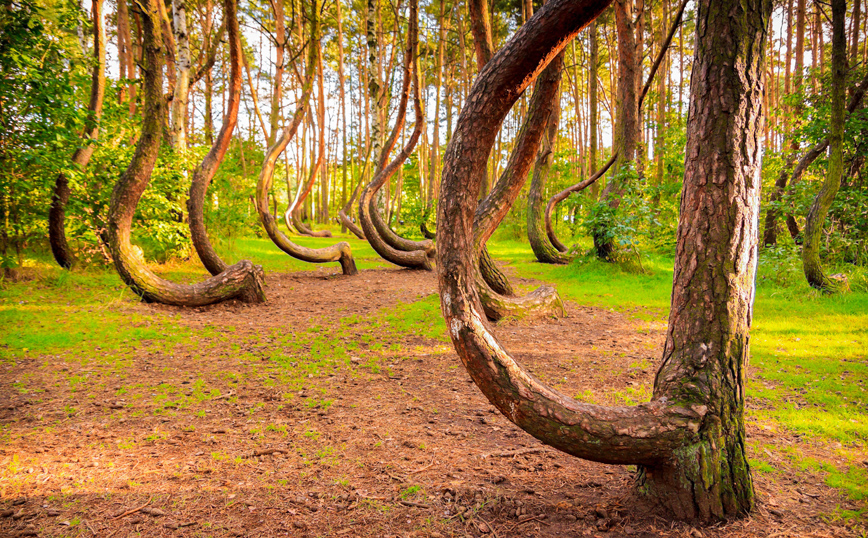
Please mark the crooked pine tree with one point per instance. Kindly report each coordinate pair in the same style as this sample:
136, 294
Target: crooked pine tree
689, 440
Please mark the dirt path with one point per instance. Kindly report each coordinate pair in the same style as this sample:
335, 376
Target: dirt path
337, 409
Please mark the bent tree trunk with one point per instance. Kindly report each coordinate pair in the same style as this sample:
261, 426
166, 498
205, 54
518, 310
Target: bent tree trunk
235, 281
493, 208
582, 185
292, 217
415, 259
823, 201
690, 438
57, 214
339, 252
542, 248
203, 175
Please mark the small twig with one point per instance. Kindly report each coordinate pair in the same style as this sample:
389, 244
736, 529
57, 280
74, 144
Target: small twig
87, 524
267, 452
490, 527
775, 534
414, 505
533, 518
133, 511
227, 395
398, 478
423, 468
511, 453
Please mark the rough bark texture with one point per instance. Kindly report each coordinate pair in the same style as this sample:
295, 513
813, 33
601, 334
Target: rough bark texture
706, 348
235, 281
416, 259
811, 264
339, 252
542, 248
57, 213
494, 207
203, 175
690, 442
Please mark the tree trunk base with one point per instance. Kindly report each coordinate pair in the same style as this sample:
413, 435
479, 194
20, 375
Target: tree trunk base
708, 481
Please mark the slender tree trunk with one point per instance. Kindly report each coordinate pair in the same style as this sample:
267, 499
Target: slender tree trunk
279, 52
339, 252
823, 201
592, 99
182, 77
343, 106
57, 213
627, 125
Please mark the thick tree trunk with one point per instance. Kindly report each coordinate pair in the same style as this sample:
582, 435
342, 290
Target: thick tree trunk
237, 280
706, 347
339, 252
57, 213
690, 438
823, 201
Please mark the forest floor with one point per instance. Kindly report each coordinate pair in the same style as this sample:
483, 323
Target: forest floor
339, 408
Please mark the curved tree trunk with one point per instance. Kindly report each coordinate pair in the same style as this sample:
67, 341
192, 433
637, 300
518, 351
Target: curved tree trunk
236, 281
823, 201
416, 259
291, 216
807, 159
203, 175
582, 185
690, 437
494, 207
339, 252
544, 250
57, 214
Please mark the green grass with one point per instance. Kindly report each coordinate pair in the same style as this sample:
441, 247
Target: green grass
809, 350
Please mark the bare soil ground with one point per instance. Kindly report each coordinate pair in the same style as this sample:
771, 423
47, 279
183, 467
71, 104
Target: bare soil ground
312, 416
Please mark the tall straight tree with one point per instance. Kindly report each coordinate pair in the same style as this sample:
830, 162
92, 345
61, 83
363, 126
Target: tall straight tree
690, 439
823, 201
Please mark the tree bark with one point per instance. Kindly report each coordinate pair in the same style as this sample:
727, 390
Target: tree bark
339, 252
627, 125
582, 185
811, 264
417, 259
292, 217
57, 213
232, 283
203, 175
178, 127
690, 438
543, 249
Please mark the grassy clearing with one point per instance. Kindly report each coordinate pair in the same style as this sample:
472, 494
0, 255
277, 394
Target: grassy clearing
810, 350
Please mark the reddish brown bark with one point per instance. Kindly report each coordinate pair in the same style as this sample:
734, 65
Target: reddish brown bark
339, 252
57, 213
417, 259
242, 280
690, 438
203, 175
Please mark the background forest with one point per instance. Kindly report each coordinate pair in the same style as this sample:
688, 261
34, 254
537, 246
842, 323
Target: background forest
46, 50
